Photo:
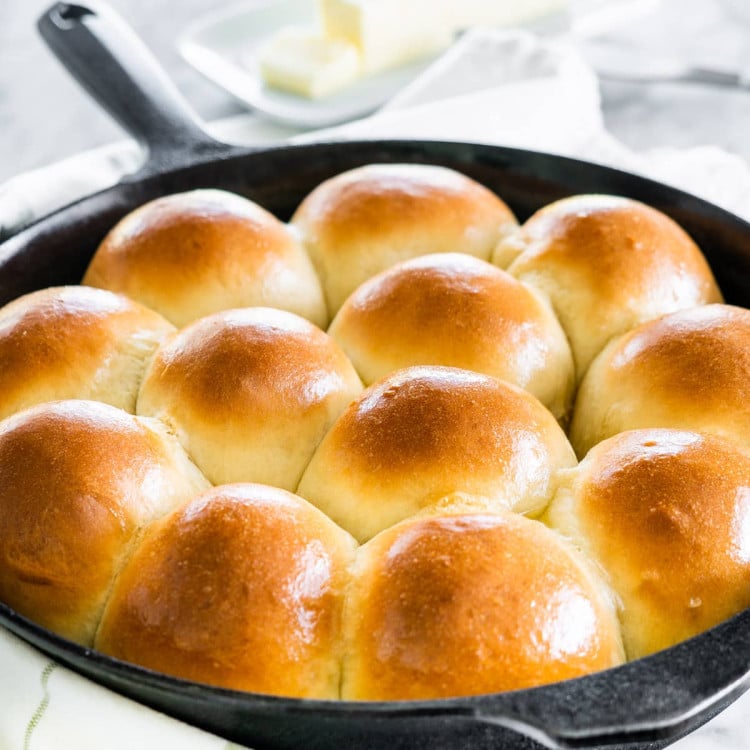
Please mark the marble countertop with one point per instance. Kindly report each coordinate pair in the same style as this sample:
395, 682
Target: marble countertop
44, 117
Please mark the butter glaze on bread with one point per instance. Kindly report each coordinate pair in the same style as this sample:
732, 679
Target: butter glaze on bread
80, 479
192, 254
75, 342
456, 310
106, 538
608, 264
250, 393
666, 515
362, 221
425, 432
472, 603
241, 588
689, 370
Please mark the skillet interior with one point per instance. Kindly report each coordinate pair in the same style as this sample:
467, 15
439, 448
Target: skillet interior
57, 249
647, 703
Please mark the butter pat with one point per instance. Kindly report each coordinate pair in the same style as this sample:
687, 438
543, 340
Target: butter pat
388, 33
303, 62
361, 37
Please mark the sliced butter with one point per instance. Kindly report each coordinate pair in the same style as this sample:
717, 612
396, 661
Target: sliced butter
303, 62
388, 33
361, 37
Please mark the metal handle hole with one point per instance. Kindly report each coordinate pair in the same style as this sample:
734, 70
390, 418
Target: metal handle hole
66, 15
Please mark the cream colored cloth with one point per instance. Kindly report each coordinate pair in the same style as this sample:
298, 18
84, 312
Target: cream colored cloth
44, 706
492, 87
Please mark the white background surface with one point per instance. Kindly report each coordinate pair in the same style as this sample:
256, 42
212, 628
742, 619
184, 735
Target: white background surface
44, 116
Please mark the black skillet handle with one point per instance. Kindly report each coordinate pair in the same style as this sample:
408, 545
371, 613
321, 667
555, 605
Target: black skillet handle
653, 700
107, 58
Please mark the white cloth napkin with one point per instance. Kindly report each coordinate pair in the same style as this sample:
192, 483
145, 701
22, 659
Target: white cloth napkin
44, 706
492, 87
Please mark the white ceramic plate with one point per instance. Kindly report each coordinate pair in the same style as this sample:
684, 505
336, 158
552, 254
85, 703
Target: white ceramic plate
223, 46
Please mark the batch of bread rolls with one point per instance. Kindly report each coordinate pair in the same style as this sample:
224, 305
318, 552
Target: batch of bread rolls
400, 447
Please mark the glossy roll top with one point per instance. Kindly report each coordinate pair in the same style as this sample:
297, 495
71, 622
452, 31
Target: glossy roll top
666, 514
362, 221
79, 479
75, 342
453, 309
472, 603
687, 370
192, 254
607, 264
240, 588
250, 393
425, 432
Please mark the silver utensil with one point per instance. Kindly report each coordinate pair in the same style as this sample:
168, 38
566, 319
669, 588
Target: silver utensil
660, 71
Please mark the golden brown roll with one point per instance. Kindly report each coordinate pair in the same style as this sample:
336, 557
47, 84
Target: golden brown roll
453, 309
78, 481
240, 588
607, 264
426, 432
250, 393
191, 254
75, 342
665, 513
687, 370
361, 222
466, 604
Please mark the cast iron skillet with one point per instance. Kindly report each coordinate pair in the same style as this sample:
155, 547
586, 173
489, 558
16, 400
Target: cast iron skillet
645, 704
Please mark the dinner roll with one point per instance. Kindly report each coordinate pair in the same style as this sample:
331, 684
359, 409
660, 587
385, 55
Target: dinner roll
241, 588
191, 254
425, 432
665, 513
250, 393
75, 342
360, 222
453, 309
465, 604
687, 370
78, 481
607, 264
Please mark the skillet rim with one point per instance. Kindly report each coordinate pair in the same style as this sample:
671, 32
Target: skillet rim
525, 162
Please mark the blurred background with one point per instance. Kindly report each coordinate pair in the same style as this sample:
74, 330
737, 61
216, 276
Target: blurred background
44, 116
